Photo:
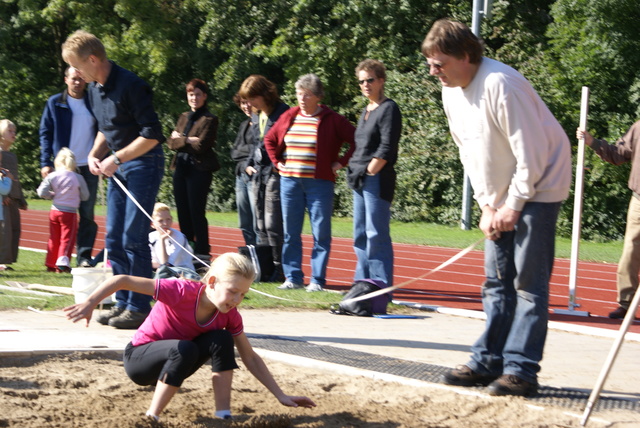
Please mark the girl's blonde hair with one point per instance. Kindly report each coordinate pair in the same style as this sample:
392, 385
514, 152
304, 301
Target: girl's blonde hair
65, 160
160, 207
6, 124
229, 265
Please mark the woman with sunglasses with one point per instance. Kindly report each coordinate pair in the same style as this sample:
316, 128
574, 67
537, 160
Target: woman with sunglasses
372, 175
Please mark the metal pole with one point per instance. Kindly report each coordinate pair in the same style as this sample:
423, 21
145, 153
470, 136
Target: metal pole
467, 190
577, 213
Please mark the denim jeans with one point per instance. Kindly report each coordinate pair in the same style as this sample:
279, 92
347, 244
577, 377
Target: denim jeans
87, 228
246, 218
128, 228
371, 233
515, 295
190, 190
316, 195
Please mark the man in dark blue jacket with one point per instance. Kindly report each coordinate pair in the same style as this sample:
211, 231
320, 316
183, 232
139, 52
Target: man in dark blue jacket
67, 121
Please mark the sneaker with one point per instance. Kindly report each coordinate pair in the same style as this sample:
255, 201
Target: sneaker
64, 269
128, 320
85, 264
512, 385
618, 314
314, 286
114, 312
464, 376
288, 285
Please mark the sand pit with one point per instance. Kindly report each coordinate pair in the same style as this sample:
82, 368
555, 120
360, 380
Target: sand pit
92, 390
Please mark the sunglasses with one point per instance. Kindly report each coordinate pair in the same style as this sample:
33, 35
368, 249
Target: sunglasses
369, 80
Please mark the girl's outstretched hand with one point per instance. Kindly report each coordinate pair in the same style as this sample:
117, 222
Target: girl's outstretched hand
79, 311
291, 401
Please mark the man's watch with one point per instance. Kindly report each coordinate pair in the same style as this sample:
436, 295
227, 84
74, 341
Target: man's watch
116, 159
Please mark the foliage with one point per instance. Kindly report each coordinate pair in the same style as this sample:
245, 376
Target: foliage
558, 45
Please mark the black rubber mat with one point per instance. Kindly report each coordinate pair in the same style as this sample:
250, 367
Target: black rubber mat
568, 398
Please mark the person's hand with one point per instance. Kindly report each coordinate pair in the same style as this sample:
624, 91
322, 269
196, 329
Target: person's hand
582, 134
46, 170
335, 167
486, 223
175, 134
193, 140
78, 312
505, 219
94, 165
292, 401
5, 172
108, 167
281, 166
250, 171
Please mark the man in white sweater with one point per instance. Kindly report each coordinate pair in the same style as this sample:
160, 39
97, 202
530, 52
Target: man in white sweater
518, 159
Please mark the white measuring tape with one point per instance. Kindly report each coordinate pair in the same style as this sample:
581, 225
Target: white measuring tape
354, 299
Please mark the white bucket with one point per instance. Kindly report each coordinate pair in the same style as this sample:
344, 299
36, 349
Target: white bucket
85, 280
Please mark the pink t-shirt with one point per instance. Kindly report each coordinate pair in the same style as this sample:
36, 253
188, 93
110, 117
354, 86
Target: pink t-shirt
174, 314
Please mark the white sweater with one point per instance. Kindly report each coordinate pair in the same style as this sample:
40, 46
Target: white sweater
512, 147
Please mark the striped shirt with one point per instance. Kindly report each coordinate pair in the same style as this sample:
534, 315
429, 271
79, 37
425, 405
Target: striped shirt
300, 151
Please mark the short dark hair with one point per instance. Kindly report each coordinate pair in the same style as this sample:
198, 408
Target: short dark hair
197, 84
372, 66
454, 39
257, 85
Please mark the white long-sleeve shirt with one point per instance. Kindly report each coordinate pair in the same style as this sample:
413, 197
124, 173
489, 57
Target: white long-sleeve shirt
511, 145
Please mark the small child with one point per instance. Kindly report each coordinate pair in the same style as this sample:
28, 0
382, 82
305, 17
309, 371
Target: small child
166, 256
190, 323
14, 201
67, 188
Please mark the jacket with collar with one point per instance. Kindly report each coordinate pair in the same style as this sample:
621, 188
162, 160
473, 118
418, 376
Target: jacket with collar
55, 126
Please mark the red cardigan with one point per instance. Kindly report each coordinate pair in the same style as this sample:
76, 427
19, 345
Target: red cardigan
333, 131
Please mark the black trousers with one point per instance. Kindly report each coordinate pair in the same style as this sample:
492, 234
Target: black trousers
172, 361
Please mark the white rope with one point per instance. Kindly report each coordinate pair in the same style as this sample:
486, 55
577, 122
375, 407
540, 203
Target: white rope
380, 292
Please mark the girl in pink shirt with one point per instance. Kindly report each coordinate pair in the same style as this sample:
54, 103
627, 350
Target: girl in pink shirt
190, 323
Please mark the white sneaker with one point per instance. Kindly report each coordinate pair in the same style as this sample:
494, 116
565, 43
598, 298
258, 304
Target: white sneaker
288, 285
314, 287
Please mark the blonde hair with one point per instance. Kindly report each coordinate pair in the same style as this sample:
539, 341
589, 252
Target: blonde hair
229, 265
160, 207
6, 124
81, 45
65, 160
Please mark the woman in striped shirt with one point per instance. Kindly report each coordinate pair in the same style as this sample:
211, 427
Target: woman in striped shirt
305, 146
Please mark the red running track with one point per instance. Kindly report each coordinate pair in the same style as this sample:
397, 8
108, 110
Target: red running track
456, 286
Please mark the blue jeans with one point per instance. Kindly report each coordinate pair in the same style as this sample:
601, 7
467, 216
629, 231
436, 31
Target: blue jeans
128, 228
316, 195
246, 219
371, 234
87, 228
515, 295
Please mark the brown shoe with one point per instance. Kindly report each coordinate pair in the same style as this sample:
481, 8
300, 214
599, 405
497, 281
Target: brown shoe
128, 320
619, 313
464, 376
114, 312
512, 385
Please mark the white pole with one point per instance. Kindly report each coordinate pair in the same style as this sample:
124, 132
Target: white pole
613, 353
577, 212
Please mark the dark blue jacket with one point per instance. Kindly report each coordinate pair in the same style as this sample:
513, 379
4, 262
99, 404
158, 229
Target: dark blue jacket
55, 126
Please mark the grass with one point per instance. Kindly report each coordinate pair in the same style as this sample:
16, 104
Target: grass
30, 266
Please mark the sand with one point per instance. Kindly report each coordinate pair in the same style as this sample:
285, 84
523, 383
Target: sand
92, 390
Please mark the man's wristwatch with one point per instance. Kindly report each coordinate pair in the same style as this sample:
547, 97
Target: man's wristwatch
116, 160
